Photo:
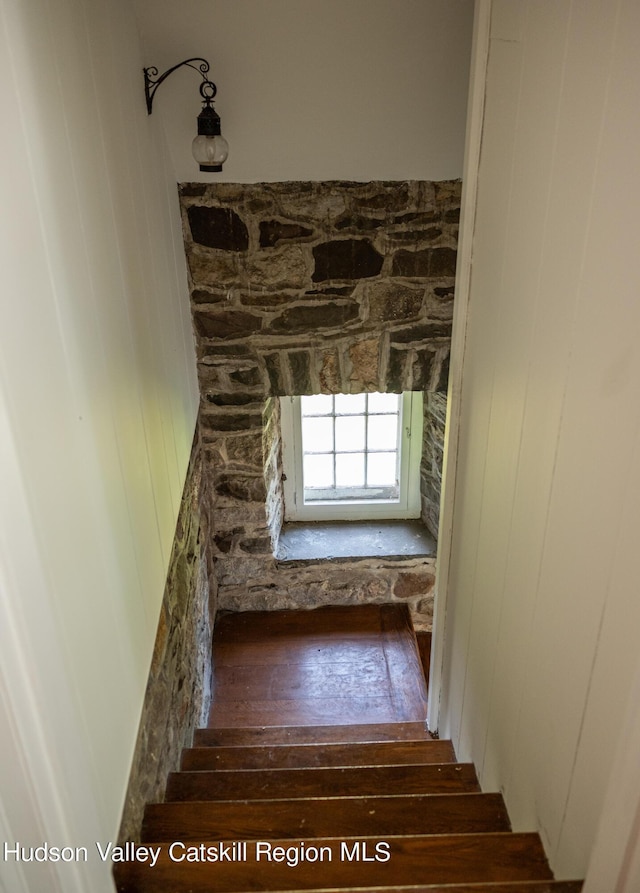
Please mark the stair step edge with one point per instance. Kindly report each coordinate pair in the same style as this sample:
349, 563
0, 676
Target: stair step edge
437, 859
480, 887
318, 734
257, 756
310, 769
319, 816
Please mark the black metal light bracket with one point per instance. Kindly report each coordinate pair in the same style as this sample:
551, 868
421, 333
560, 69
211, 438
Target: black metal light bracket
208, 89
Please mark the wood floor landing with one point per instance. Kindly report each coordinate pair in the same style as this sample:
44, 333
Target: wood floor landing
331, 666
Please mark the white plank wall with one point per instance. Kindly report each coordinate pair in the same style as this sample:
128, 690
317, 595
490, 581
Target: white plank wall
542, 607
98, 400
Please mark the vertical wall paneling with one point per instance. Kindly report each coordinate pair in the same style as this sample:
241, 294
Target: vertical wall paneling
97, 409
546, 491
615, 858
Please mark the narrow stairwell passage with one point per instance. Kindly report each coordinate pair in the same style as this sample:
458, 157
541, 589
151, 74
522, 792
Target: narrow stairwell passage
317, 773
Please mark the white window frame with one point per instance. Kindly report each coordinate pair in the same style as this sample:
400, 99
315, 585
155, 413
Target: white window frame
406, 506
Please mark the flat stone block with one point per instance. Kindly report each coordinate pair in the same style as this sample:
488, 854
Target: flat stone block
218, 228
443, 262
225, 324
272, 232
231, 421
311, 317
327, 540
346, 259
410, 585
300, 366
330, 375
286, 267
240, 487
391, 301
412, 264
421, 332
365, 363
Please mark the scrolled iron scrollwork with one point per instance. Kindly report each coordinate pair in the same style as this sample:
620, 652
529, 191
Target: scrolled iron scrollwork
152, 81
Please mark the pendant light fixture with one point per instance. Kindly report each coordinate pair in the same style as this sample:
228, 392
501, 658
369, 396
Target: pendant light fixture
210, 149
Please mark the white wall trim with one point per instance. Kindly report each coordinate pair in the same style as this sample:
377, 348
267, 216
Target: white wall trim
473, 146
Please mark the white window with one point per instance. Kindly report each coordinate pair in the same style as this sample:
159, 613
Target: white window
351, 456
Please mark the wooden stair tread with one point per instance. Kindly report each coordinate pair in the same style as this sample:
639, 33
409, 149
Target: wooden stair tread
320, 816
308, 755
323, 734
250, 784
437, 859
488, 887
306, 711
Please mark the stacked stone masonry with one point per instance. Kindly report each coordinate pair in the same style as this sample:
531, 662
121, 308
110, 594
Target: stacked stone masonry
435, 416
178, 694
306, 288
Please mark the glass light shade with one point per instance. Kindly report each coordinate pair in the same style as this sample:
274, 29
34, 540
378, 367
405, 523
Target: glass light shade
210, 152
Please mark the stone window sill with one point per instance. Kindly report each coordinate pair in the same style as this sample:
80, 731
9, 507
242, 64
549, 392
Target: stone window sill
343, 540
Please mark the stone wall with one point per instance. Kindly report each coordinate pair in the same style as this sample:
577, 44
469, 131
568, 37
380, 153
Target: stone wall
270, 585
435, 416
303, 288
178, 694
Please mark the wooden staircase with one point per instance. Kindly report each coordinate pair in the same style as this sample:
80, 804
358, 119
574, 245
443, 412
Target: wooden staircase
388, 808
367, 806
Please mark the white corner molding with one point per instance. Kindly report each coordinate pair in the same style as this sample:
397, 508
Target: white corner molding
473, 144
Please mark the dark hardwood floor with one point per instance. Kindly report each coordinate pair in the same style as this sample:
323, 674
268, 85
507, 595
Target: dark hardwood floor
332, 666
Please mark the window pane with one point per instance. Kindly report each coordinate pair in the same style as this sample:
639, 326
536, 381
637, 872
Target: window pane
350, 470
382, 470
384, 402
350, 433
319, 404
382, 432
317, 434
350, 403
361, 477
318, 471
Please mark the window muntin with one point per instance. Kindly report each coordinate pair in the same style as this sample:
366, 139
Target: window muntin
351, 447
352, 456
